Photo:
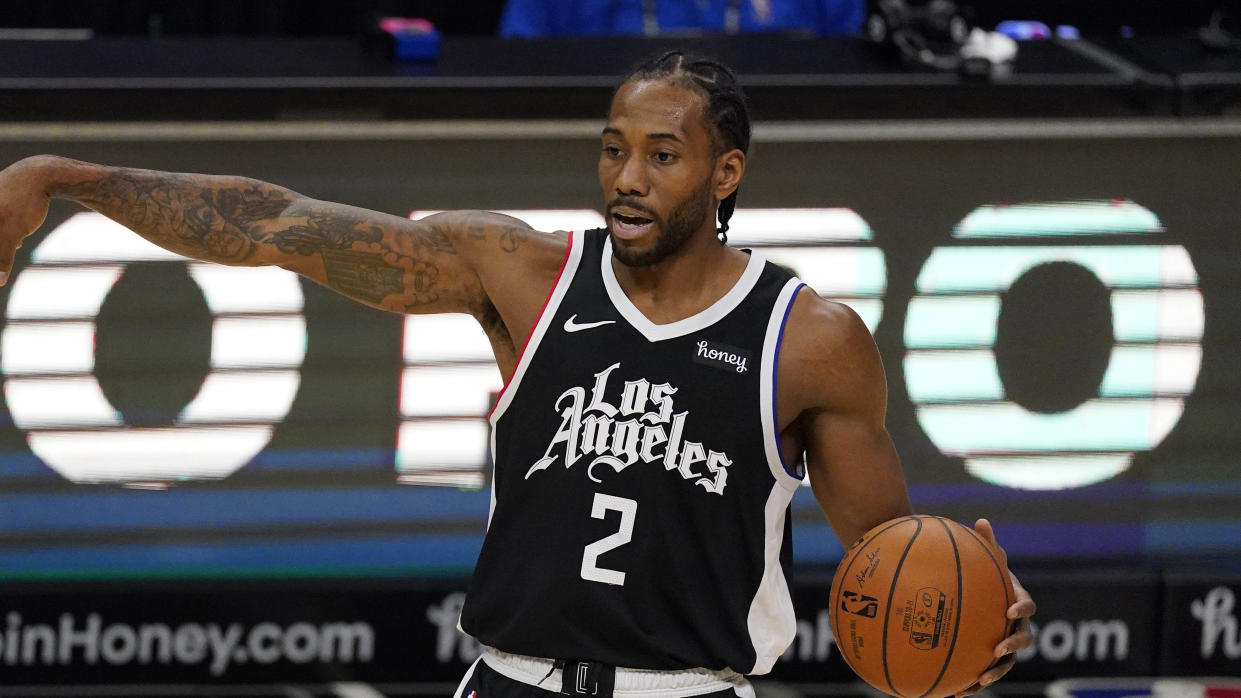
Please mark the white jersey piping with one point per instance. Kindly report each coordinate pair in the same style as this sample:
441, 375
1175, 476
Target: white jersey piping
573, 258
703, 319
771, 621
466, 679
768, 384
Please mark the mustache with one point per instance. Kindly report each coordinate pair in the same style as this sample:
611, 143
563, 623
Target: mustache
629, 202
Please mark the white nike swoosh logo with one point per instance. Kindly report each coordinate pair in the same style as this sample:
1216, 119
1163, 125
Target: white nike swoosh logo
570, 326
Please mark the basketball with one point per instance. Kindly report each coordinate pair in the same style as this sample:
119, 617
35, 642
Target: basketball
918, 605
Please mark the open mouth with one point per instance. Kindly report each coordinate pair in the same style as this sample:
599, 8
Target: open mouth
630, 226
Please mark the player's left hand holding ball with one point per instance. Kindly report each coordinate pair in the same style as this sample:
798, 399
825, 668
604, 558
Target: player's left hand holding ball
1021, 611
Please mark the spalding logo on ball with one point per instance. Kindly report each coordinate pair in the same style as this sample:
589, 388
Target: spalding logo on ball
918, 605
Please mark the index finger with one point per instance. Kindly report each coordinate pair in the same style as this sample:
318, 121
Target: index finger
1024, 606
983, 528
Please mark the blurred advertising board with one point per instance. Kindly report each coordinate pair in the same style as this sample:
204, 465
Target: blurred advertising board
1119, 625
1201, 631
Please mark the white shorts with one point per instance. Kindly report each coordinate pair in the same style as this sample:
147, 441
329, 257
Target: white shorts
520, 676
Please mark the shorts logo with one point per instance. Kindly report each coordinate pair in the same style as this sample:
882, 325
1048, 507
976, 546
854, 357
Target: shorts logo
722, 356
586, 679
583, 675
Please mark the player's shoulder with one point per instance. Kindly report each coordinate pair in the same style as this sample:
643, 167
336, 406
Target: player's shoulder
828, 359
818, 328
487, 235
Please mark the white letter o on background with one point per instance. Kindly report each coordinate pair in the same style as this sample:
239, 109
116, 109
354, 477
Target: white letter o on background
47, 357
950, 330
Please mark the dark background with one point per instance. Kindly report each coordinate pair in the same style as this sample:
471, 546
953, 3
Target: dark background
321, 17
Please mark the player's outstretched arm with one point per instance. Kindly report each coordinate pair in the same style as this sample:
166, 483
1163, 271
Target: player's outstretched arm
385, 261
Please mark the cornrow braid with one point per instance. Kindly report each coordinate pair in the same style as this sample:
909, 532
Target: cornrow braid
726, 109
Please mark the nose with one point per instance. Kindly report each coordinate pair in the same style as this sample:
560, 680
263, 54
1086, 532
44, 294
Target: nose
632, 179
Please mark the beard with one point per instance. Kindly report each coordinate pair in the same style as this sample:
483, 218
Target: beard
683, 222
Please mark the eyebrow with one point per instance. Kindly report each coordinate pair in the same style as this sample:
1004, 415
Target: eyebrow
653, 136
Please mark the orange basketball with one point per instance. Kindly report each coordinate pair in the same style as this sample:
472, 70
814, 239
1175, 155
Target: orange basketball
918, 605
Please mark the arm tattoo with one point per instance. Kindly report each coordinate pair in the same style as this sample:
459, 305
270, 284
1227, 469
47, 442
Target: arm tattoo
512, 238
184, 213
511, 232
320, 233
475, 225
366, 276
234, 220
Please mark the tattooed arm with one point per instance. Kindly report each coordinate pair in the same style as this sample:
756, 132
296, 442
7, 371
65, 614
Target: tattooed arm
448, 263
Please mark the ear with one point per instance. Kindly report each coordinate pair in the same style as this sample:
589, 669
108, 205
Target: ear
729, 169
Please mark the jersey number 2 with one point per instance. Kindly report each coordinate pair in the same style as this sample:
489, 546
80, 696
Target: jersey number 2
628, 509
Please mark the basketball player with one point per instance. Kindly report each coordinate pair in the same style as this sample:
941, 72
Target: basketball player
661, 389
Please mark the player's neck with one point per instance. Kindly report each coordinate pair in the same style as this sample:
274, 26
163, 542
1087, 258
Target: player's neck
688, 282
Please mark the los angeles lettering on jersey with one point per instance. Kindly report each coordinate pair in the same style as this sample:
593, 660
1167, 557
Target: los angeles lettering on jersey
642, 425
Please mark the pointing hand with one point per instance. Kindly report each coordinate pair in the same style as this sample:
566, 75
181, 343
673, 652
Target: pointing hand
23, 207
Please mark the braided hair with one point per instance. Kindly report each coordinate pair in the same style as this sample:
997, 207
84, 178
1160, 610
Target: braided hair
726, 109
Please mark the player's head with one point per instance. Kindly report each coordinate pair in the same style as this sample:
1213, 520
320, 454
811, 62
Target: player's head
674, 151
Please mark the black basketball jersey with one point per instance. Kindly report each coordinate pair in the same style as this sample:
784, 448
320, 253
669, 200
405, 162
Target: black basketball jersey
639, 504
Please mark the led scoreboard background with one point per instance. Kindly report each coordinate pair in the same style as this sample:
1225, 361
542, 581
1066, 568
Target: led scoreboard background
1058, 359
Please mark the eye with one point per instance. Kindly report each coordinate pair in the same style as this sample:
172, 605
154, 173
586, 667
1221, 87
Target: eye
664, 157
612, 151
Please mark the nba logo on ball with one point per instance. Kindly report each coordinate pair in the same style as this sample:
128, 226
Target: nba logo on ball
859, 604
918, 605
